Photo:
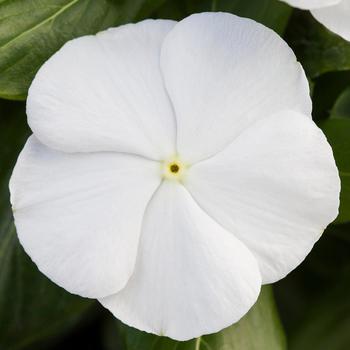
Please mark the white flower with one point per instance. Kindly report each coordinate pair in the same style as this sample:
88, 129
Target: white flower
174, 168
333, 14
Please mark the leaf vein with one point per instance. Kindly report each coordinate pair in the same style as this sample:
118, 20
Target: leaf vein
52, 17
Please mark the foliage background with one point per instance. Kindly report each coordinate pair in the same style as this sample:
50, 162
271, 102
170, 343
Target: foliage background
313, 301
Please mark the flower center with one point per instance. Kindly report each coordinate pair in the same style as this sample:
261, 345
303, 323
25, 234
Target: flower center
173, 169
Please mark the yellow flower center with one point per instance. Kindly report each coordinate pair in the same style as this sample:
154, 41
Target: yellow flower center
173, 169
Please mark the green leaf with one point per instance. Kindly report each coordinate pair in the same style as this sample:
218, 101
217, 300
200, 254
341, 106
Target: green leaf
32, 30
337, 131
327, 89
272, 13
259, 329
341, 108
32, 308
305, 289
319, 50
326, 325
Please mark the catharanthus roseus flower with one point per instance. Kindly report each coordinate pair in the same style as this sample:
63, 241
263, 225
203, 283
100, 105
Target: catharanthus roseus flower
174, 168
333, 14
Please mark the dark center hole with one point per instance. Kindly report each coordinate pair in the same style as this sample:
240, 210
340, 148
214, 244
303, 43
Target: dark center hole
174, 168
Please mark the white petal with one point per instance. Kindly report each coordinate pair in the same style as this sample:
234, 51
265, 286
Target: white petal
311, 4
191, 277
336, 18
105, 93
276, 188
224, 72
78, 216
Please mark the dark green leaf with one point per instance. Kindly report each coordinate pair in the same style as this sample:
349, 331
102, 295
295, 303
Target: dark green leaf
32, 30
31, 307
341, 108
147, 9
327, 89
306, 287
326, 325
272, 13
337, 131
319, 50
259, 329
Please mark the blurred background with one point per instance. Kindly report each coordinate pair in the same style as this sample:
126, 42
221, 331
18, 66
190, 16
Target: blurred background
309, 309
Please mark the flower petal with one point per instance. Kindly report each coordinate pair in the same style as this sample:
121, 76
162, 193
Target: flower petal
276, 188
78, 216
310, 4
224, 72
191, 277
105, 93
336, 18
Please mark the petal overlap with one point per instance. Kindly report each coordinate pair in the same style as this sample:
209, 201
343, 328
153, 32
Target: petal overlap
79, 216
192, 277
276, 188
105, 93
219, 87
